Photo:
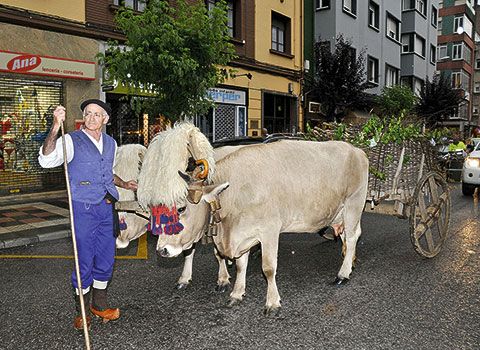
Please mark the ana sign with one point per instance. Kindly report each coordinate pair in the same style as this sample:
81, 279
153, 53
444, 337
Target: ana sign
24, 63
219, 95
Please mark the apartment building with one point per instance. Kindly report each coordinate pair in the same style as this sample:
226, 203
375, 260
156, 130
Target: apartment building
399, 37
456, 48
475, 120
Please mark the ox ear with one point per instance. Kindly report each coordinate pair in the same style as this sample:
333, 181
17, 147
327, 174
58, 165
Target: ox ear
210, 192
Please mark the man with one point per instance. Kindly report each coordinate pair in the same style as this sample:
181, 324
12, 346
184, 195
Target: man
90, 155
456, 145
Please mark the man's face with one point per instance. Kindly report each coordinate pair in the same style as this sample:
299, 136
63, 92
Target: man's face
95, 117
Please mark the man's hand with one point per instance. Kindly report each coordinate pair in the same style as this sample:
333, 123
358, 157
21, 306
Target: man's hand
58, 119
128, 185
131, 185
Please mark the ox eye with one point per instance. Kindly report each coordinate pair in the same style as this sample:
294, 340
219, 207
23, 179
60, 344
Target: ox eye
181, 210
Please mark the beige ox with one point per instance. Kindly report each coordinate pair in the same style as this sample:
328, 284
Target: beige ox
266, 189
128, 162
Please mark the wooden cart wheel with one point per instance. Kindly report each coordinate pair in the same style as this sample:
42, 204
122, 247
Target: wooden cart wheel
430, 214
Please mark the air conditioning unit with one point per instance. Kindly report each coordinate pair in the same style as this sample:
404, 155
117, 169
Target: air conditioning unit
314, 107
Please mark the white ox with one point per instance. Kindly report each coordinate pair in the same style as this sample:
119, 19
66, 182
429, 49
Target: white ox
266, 189
128, 162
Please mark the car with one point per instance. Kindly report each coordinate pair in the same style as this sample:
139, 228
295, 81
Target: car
471, 172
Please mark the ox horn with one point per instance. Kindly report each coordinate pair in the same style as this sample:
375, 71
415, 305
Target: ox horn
202, 175
188, 179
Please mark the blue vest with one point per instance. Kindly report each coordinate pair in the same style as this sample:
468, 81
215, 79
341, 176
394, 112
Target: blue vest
91, 173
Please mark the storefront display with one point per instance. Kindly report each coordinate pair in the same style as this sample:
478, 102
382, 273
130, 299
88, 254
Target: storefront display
26, 107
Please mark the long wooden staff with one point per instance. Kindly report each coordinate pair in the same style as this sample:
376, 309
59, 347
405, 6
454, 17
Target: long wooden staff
74, 241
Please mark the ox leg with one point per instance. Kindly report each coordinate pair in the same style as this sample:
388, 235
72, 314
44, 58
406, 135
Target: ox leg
269, 267
186, 276
349, 248
223, 281
236, 296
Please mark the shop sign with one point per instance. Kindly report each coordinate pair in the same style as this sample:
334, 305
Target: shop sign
25, 63
219, 95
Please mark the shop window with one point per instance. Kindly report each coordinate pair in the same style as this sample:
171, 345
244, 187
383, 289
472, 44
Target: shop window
277, 113
26, 115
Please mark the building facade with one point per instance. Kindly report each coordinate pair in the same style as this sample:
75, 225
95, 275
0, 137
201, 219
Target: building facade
47, 58
399, 37
455, 58
264, 93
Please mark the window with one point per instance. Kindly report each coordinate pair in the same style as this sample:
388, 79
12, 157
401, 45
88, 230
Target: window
420, 45
230, 15
434, 17
457, 23
433, 54
442, 52
457, 51
373, 15
322, 4
372, 70
417, 86
280, 33
475, 110
137, 5
456, 80
421, 7
350, 6
477, 63
476, 87
467, 54
391, 75
393, 27
418, 5
408, 43
439, 25
408, 4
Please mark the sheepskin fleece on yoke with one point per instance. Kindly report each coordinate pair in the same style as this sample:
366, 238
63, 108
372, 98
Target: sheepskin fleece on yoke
168, 153
128, 161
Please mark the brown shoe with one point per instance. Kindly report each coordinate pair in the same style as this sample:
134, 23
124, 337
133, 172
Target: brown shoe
100, 308
78, 323
107, 314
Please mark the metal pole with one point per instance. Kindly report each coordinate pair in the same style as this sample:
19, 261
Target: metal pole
74, 241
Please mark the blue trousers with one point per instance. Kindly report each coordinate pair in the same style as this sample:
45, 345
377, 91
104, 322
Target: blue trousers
95, 242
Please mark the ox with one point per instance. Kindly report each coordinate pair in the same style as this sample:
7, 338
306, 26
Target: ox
128, 162
266, 189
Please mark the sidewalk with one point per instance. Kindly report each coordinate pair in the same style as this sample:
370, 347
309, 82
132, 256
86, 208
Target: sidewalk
32, 218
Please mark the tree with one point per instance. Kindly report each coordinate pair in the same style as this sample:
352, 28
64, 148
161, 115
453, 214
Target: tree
176, 52
338, 81
396, 100
438, 100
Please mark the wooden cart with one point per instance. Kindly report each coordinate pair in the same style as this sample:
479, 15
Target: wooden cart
405, 180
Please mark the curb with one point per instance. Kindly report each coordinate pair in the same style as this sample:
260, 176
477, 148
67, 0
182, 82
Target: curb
23, 240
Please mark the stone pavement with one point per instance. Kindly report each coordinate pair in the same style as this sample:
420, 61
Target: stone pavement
32, 218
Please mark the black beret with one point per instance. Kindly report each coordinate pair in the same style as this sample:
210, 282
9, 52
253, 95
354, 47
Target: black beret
100, 103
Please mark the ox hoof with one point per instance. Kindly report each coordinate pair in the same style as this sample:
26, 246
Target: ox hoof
272, 311
233, 302
181, 286
221, 288
340, 281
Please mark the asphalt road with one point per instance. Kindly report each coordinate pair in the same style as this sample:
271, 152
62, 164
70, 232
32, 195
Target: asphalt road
395, 299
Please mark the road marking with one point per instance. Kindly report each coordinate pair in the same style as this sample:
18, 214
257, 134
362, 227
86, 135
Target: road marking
142, 253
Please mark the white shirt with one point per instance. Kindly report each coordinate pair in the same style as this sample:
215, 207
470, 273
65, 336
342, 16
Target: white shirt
55, 158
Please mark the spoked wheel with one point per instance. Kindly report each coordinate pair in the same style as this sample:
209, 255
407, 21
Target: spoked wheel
430, 215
